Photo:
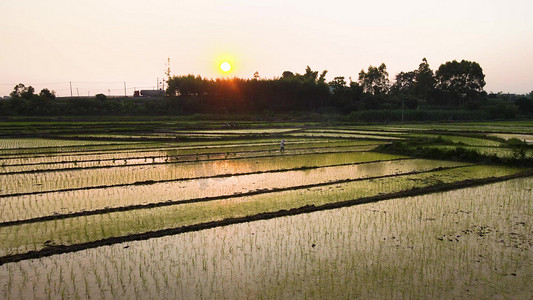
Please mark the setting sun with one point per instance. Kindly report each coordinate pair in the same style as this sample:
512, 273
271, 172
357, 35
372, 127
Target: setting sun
225, 66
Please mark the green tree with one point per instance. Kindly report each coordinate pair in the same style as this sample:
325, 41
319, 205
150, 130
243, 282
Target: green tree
338, 83
525, 105
322, 78
340, 93
310, 75
424, 85
375, 81
458, 82
186, 85
21, 91
18, 90
405, 84
356, 89
287, 74
46, 93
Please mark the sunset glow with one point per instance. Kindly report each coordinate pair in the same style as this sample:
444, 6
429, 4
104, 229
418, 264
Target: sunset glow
131, 41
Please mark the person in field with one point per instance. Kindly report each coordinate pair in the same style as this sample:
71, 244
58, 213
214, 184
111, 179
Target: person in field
282, 149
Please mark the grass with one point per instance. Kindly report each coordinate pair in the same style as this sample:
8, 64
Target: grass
440, 148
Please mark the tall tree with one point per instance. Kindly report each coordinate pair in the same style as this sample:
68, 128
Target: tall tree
22, 91
310, 75
322, 78
46, 93
375, 81
287, 74
424, 85
404, 84
338, 82
460, 81
339, 92
186, 85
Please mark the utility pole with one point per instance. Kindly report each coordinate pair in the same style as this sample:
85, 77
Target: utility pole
78, 91
70, 88
168, 68
167, 72
157, 82
402, 109
125, 94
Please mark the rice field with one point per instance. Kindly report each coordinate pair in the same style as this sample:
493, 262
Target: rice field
225, 214
528, 138
430, 246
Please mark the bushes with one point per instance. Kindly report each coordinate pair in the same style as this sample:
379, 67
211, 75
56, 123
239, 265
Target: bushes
418, 148
368, 109
501, 110
525, 105
414, 115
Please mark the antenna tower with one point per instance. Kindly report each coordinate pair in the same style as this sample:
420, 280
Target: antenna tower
167, 71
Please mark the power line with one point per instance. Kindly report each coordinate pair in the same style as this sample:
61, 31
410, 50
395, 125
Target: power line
36, 83
73, 88
98, 82
67, 82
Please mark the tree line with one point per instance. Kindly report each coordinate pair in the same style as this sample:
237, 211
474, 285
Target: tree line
454, 85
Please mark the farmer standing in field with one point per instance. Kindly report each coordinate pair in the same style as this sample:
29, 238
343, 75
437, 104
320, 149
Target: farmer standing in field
282, 149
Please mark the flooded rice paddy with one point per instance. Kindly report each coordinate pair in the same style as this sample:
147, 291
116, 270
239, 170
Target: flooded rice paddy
330, 217
430, 246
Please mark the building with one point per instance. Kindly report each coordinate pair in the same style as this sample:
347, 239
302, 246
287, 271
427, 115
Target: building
149, 93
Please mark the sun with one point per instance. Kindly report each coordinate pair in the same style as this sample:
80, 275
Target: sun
225, 67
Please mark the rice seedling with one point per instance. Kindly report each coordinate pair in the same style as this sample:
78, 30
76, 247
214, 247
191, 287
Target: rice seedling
359, 251
32, 236
48, 204
132, 190
75, 179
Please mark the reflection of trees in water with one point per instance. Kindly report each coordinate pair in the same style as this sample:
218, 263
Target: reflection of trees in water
191, 167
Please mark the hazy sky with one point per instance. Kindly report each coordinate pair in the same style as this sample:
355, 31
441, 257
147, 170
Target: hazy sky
100, 44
